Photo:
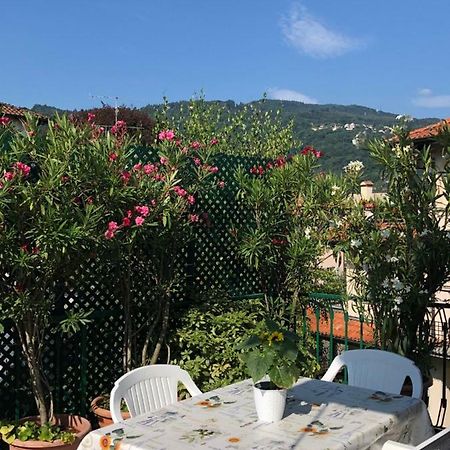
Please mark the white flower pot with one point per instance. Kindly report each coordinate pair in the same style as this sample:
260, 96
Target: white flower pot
270, 403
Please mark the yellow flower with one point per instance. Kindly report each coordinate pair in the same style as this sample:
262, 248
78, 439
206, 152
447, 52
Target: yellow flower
276, 336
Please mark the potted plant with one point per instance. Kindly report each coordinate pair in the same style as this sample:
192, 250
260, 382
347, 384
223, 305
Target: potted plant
102, 413
274, 358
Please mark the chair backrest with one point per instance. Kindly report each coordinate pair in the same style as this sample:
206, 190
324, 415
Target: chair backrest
148, 388
440, 441
378, 370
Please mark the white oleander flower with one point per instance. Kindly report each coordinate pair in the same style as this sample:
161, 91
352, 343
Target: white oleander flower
355, 243
354, 167
397, 284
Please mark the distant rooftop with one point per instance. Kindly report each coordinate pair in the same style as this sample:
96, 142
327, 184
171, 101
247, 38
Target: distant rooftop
18, 112
429, 131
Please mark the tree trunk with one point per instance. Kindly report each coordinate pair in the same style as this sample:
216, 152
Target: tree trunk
31, 347
162, 334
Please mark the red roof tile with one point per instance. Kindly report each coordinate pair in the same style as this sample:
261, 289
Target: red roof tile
353, 327
11, 110
428, 131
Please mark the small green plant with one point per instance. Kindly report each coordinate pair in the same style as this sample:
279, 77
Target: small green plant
277, 353
31, 431
204, 344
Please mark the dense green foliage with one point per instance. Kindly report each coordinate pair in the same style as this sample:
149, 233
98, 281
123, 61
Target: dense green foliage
312, 125
399, 249
204, 343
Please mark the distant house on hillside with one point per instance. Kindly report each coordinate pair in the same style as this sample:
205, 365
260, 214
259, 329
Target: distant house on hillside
17, 115
428, 136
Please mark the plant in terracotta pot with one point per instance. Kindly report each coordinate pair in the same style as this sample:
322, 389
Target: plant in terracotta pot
102, 413
49, 217
275, 358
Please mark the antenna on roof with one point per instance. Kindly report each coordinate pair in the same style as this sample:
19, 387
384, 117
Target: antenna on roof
116, 103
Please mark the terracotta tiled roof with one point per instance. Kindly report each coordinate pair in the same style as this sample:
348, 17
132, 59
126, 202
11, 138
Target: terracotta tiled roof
11, 110
353, 327
428, 131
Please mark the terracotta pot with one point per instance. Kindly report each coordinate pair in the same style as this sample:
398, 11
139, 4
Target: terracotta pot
103, 415
427, 383
78, 424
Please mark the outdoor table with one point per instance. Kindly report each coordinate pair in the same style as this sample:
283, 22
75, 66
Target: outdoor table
319, 415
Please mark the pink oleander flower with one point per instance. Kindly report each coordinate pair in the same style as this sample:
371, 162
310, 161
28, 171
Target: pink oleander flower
4, 121
112, 226
129, 214
24, 248
196, 144
125, 175
90, 200
184, 150
112, 156
166, 135
193, 218
142, 210
8, 176
22, 168
213, 141
137, 167
221, 184
119, 127
213, 169
197, 161
178, 142
1, 185
163, 160
159, 177
126, 222
153, 202
318, 154
139, 221
109, 234
179, 191
280, 161
90, 117
257, 170
269, 166
190, 199
149, 168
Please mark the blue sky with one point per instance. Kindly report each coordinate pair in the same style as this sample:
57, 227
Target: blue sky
385, 54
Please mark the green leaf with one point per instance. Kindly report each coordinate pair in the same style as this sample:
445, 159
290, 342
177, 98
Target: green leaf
284, 374
251, 342
258, 364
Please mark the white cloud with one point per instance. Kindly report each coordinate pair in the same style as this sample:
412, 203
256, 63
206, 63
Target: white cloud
427, 99
290, 95
305, 33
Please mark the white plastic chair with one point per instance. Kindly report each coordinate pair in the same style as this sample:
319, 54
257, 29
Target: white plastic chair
378, 370
149, 388
440, 441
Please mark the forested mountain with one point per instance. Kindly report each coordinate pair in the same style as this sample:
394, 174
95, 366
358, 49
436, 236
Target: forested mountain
330, 128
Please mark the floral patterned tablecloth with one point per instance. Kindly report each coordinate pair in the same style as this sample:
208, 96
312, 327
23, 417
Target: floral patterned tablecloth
319, 415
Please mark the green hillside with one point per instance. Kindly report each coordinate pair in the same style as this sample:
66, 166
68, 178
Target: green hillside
330, 128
